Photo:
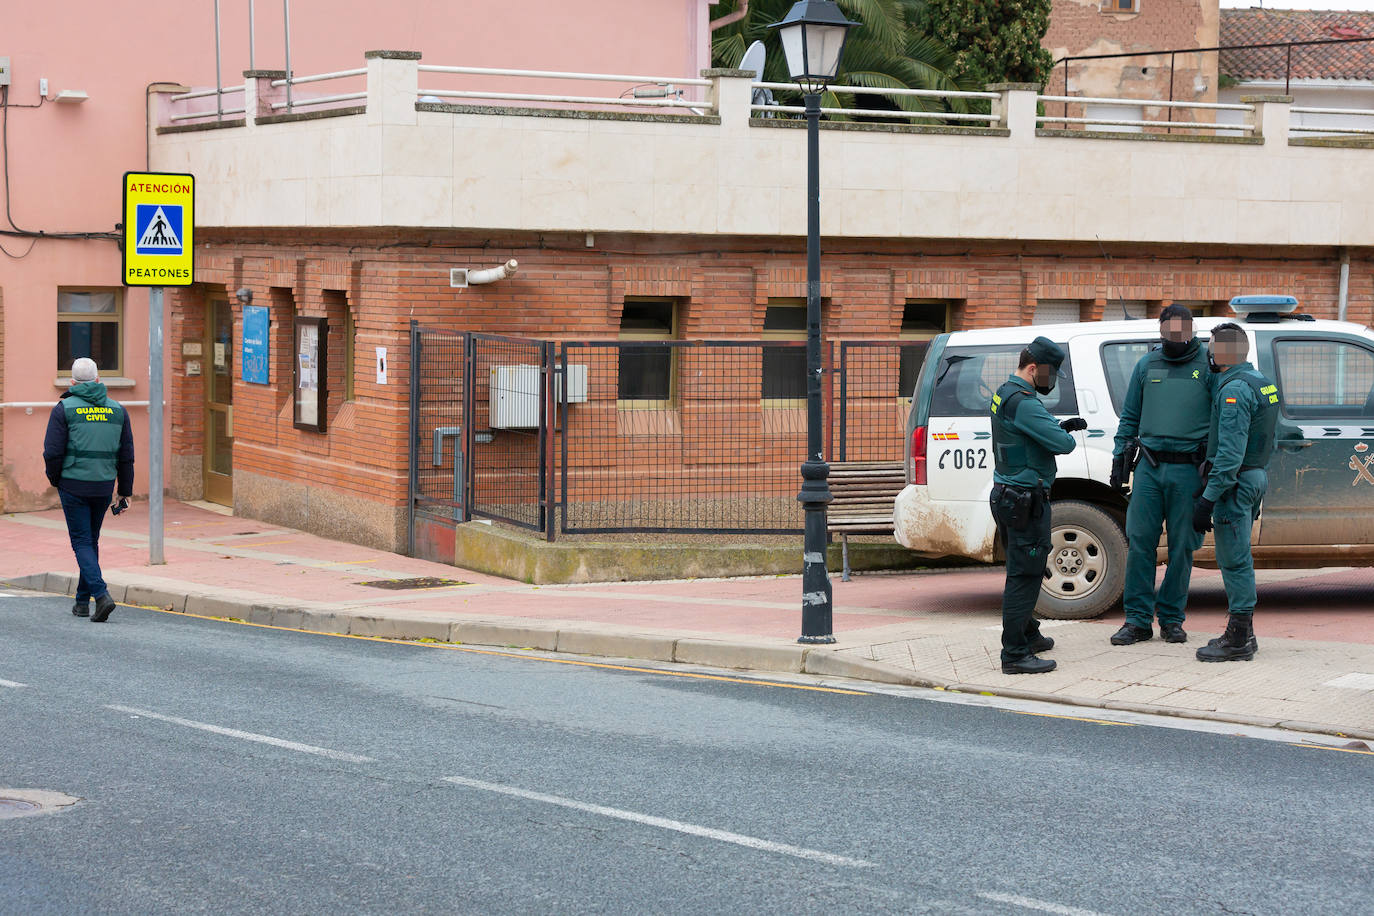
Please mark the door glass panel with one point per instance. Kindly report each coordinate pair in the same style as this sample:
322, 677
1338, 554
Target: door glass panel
221, 355
1118, 361
221, 446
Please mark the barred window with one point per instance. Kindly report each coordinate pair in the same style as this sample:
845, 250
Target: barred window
1325, 378
90, 324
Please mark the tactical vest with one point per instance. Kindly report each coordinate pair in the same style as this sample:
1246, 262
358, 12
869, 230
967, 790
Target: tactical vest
93, 434
1012, 450
1260, 444
1175, 402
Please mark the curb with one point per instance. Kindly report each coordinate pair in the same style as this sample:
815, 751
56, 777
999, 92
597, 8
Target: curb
599, 642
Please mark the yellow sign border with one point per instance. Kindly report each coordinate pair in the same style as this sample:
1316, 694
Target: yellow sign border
182, 263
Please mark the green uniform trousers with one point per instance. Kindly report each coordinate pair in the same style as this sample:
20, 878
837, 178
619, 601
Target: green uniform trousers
1160, 497
1028, 550
1234, 517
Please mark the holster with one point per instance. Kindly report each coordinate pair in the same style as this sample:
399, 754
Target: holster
1027, 504
1204, 471
1131, 454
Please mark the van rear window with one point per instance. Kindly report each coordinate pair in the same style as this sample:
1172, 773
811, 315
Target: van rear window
968, 377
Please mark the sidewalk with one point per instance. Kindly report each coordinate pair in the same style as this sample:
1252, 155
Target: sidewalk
1314, 672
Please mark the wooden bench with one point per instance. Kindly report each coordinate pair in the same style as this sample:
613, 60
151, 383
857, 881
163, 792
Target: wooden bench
863, 493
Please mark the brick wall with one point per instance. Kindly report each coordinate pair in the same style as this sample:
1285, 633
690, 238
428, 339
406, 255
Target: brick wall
565, 290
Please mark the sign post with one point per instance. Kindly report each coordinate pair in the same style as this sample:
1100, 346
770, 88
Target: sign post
159, 225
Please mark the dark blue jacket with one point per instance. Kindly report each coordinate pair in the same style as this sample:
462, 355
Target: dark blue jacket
55, 449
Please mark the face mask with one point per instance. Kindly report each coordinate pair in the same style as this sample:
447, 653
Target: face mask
1045, 389
1176, 348
1212, 362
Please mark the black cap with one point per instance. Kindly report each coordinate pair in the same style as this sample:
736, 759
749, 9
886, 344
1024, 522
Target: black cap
1044, 350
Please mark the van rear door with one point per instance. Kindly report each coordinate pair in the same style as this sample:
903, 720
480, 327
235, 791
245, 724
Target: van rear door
959, 460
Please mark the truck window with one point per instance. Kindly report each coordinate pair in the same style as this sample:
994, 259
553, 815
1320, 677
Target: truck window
968, 377
1325, 378
1118, 362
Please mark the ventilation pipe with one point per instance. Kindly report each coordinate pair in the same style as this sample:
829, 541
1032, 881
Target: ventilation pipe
492, 274
1344, 295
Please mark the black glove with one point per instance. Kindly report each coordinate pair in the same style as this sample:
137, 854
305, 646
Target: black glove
1117, 480
1202, 515
1073, 424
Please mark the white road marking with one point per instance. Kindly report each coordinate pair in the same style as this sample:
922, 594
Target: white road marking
4, 683
1356, 680
246, 736
1040, 905
709, 833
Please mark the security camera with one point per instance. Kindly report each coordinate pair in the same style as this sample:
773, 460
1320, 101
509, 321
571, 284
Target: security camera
244, 295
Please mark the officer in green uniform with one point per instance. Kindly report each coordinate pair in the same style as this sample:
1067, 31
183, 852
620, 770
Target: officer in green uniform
1164, 418
88, 452
1025, 439
1239, 444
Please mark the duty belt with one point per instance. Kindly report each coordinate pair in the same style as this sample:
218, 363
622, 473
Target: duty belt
1176, 457
998, 488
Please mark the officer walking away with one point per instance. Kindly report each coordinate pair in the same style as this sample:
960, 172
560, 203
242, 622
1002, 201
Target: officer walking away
1163, 430
1025, 439
88, 449
1241, 439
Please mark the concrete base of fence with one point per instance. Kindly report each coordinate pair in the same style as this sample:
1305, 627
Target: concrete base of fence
516, 555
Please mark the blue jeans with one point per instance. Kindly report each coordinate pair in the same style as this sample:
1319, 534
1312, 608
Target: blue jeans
84, 517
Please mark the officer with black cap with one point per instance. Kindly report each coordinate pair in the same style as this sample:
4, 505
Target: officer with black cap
1025, 439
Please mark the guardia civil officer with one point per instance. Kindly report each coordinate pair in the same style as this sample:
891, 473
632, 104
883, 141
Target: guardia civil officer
1240, 441
88, 453
1025, 439
1164, 419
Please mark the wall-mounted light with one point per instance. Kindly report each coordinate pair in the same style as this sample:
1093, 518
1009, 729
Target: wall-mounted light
71, 96
244, 295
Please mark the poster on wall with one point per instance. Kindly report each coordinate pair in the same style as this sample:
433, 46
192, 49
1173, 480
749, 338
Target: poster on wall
253, 365
310, 349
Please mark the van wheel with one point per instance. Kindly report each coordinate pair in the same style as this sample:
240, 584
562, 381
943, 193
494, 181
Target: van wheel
1086, 571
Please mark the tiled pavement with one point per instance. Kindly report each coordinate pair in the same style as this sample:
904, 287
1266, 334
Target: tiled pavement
1315, 668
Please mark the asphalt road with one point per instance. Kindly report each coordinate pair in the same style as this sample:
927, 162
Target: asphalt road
232, 769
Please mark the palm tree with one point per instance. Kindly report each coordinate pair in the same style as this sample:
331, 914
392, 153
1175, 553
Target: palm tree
884, 52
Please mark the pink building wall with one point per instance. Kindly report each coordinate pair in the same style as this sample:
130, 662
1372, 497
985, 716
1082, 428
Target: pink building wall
65, 161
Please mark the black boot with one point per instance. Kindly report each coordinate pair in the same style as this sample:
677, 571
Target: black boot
1028, 665
1131, 634
104, 606
1041, 644
81, 609
1172, 632
1237, 644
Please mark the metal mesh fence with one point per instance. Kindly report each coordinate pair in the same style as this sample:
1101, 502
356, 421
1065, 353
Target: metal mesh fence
876, 379
507, 443
436, 422
717, 448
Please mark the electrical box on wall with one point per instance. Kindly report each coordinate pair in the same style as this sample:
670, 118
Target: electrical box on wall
515, 394
4, 71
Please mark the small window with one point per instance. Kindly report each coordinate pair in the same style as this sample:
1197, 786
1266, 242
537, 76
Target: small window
922, 320
1321, 379
967, 378
1118, 361
1120, 6
645, 378
90, 324
784, 367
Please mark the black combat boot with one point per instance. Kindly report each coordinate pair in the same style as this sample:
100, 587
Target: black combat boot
81, 609
1172, 632
1237, 644
104, 606
1028, 665
1130, 634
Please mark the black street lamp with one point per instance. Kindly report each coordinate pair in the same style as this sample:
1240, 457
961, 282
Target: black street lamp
813, 34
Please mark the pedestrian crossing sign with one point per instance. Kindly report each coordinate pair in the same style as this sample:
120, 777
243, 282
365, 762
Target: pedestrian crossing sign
159, 223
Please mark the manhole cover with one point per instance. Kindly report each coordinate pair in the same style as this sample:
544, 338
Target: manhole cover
421, 582
17, 807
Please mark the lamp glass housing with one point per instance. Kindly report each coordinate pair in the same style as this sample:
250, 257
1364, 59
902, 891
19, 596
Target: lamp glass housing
813, 35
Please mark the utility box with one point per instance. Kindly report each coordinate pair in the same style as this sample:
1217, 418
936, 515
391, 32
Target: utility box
515, 394
4, 71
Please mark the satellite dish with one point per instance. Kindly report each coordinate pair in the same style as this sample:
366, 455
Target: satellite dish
753, 60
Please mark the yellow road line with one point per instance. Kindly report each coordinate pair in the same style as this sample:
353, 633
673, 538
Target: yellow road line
1343, 750
532, 658
1046, 715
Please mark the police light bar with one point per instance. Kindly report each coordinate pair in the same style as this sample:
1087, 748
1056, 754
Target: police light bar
1277, 305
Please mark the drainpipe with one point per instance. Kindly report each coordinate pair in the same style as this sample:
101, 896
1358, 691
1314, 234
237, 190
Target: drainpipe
1343, 297
736, 16
492, 274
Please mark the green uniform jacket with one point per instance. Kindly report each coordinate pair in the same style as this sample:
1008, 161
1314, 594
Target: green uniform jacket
1029, 428
1244, 425
1180, 391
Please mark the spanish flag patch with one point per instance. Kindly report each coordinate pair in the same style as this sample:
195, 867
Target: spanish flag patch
1230, 400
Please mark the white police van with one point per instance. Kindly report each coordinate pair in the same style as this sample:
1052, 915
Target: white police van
1319, 509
